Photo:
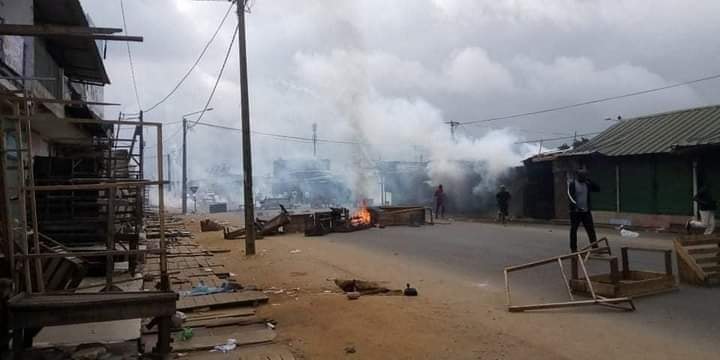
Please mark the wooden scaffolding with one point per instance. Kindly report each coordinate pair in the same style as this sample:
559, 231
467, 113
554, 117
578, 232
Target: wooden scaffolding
44, 271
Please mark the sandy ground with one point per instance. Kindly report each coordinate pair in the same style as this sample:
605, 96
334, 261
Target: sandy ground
454, 317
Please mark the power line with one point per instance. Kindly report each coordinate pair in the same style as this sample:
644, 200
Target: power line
219, 76
557, 138
197, 61
130, 58
288, 137
595, 101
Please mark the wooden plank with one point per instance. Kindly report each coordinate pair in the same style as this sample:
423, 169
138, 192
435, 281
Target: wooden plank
243, 298
634, 248
213, 323
238, 320
65, 31
518, 308
234, 312
244, 335
701, 251
701, 240
219, 250
60, 301
705, 260
544, 261
708, 269
36, 318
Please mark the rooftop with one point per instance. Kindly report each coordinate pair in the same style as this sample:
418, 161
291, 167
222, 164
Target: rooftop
657, 133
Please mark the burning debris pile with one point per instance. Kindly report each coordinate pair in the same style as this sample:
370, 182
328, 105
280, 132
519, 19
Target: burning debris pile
339, 219
273, 226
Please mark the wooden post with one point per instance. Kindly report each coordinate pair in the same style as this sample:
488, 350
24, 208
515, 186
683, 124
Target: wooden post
565, 280
625, 262
184, 166
668, 263
110, 241
22, 198
587, 276
33, 207
6, 219
507, 288
164, 279
614, 272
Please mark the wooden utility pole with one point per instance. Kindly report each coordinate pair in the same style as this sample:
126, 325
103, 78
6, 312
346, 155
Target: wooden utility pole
246, 145
314, 128
184, 166
169, 173
453, 125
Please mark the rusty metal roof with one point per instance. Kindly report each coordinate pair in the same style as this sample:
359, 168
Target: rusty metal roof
658, 133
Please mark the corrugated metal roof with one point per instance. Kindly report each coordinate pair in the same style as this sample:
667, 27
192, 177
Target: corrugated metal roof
658, 133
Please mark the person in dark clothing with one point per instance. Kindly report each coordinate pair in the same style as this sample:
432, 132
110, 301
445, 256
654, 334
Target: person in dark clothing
707, 207
578, 191
503, 200
439, 202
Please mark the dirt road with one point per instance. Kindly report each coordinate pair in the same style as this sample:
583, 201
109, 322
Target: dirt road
456, 315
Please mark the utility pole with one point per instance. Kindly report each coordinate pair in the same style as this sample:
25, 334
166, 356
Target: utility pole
453, 125
140, 197
184, 156
314, 127
184, 166
169, 173
247, 150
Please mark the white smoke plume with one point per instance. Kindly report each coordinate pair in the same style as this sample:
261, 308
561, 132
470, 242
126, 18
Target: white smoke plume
397, 128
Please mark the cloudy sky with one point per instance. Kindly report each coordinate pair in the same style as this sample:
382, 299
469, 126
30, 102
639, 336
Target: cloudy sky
392, 73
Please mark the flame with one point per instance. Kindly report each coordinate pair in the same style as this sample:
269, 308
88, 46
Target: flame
362, 215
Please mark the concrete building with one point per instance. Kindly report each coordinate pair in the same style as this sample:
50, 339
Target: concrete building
64, 68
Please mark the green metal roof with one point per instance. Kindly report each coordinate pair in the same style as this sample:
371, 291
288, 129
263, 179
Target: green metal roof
658, 133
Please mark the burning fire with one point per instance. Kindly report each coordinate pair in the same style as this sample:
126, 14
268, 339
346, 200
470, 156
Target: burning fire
362, 215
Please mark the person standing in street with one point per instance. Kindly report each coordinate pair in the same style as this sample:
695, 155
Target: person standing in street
503, 201
707, 207
578, 191
439, 202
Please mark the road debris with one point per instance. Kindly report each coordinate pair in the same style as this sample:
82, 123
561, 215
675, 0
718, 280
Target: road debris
409, 291
577, 258
89, 353
230, 345
364, 287
270, 227
211, 225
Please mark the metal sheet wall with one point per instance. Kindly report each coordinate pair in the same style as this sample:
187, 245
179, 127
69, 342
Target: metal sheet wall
602, 172
673, 185
637, 185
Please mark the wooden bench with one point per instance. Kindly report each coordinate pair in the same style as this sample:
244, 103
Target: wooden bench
29, 313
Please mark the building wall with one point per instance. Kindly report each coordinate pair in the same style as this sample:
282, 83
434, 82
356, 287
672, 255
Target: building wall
16, 51
40, 146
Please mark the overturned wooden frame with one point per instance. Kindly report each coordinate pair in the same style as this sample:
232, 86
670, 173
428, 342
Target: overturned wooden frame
578, 258
629, 282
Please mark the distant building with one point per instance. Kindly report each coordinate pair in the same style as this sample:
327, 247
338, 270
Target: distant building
309, 182
648, 169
